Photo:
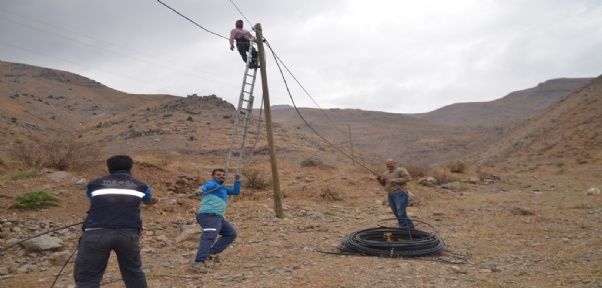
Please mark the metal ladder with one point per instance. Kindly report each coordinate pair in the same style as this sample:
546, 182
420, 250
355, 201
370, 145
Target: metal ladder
243, 114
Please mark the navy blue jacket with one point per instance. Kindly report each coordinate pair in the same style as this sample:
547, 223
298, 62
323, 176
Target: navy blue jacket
115, 201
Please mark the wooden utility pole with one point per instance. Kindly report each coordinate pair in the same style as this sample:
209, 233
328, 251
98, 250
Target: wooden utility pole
351, 144
268, 123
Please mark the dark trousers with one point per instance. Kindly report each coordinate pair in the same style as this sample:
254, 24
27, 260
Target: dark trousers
213, 225
243, 49
399, 204
94, 249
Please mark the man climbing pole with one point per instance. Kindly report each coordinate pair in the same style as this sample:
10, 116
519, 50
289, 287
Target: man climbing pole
243, 41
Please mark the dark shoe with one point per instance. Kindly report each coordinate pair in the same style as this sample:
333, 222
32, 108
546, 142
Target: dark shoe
199, 267
215, 258
253, 66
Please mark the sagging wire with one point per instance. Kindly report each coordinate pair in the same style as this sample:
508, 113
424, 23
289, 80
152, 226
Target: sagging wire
174, 10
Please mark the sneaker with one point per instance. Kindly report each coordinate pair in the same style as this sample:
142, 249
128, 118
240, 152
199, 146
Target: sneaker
215, 258
199, 267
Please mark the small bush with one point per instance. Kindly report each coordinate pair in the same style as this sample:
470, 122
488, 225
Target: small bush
329, 193
312, 161
20, 175
36, 200
456, 167
167, 115
418, 170
59, 153
254, 180
189, 119
442, 178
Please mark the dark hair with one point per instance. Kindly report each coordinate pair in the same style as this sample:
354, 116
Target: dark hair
217, 169
120, 163
239, 21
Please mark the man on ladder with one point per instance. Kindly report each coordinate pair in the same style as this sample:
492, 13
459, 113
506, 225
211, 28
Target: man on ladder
243, 42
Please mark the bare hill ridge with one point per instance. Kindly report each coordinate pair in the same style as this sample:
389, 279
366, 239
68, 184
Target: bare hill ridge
566, 135
39, 102
516, 106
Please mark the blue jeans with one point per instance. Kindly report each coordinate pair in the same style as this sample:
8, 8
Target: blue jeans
213, 224
94, 249
399, 203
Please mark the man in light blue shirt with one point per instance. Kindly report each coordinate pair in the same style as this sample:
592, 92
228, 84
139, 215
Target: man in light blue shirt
210, 216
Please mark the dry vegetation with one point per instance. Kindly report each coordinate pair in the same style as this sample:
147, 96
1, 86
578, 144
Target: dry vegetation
557, 246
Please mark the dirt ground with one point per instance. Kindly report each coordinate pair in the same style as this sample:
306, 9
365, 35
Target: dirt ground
525, 230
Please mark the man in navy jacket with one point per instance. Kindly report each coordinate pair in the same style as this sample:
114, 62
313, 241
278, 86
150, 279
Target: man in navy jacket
113, 223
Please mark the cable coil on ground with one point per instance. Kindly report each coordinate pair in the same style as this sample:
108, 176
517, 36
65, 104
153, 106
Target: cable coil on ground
392, 242
397, 242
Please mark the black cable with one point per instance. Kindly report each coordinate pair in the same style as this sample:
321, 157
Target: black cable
302, 118
174, 10
14, 244
396, 242
61, 271
243, 15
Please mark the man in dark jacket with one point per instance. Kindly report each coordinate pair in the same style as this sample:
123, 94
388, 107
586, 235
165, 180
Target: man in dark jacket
113, 223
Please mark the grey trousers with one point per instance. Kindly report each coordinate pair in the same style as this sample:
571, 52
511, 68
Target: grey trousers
94, 249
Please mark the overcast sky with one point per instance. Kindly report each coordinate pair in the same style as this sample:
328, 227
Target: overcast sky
393, 56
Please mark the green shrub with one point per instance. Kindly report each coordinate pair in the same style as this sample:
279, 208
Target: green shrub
254, 180
20, 175
36, 200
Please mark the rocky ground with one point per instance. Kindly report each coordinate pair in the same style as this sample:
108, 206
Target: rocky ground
522, 230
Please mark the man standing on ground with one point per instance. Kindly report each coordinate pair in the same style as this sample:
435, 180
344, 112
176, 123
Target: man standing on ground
211, 218
243, 41
113, 223
394, 180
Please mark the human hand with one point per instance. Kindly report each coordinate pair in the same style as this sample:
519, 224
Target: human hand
232, 47
237, 177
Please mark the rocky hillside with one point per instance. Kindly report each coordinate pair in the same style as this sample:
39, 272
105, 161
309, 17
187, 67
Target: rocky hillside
39, 102
566, 135
513, 107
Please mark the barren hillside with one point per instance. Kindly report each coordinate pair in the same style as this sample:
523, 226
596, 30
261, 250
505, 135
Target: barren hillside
39, 102
513, 107
566, 135
387, 135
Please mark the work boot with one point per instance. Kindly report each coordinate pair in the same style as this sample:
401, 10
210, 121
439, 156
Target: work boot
215, 258
199, 267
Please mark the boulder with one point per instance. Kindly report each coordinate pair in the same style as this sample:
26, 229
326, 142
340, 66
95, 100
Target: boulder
43, 243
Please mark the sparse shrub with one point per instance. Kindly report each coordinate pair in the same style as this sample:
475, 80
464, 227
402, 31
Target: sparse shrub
312, 161
20, 175
417, 170
254, 180
191, 138
442, 178
581, 161
59, 154
331, 213
167, 115
456, 166
189, 119
329, 193
36, 200
131, 126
